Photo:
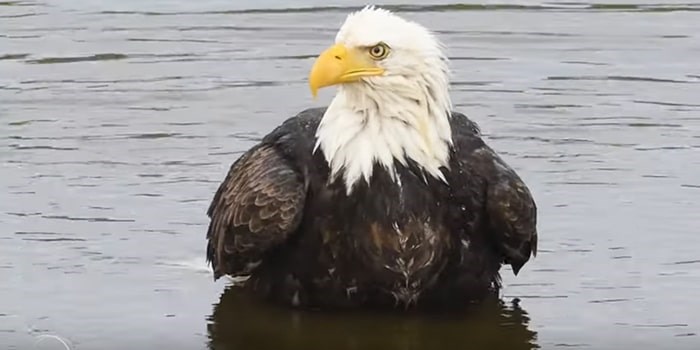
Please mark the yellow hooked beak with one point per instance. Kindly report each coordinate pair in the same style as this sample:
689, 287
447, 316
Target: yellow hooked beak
338, 65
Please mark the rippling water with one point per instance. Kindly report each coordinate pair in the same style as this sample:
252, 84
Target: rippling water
118, 119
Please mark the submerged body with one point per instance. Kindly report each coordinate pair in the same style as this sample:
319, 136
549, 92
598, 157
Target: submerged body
386, 197
415, 241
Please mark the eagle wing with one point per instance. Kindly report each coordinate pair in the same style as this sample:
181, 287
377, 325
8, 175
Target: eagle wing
257, 207
511, 212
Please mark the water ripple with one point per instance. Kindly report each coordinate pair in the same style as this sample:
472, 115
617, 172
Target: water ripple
95, 57
622, 78
549, 7
89, 219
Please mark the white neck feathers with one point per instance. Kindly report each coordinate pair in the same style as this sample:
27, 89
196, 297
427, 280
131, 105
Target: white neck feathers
367, 125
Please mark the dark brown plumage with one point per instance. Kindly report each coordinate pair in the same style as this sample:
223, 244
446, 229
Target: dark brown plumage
278, 217
256, 208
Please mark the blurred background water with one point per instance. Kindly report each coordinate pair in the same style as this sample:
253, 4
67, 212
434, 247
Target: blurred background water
118, 119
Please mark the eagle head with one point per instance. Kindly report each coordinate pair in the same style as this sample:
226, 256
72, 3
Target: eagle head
392, 103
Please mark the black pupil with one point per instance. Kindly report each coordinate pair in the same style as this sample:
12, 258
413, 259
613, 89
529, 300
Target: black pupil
377, 50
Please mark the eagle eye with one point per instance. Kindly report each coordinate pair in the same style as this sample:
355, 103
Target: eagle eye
379, 51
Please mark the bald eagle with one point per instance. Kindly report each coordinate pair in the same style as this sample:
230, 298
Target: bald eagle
386, 197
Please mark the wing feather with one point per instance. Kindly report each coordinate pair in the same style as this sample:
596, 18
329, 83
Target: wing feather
512, 216
510, 208
257, 207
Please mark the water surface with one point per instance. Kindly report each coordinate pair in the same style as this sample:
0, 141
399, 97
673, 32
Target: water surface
118, 119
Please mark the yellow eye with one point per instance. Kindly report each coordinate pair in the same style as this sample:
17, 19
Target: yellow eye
379, 51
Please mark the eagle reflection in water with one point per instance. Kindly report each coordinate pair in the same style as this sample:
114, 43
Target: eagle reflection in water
239, 321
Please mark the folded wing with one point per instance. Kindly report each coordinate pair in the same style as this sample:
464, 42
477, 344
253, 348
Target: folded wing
512, 215
256, 208
511, 212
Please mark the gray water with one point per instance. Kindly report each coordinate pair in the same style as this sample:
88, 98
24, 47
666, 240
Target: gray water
118, 119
